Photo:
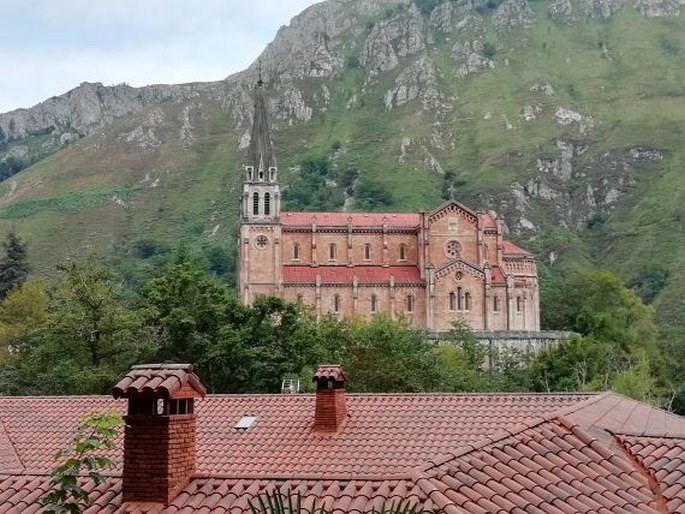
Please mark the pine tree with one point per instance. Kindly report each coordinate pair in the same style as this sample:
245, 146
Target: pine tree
14, 265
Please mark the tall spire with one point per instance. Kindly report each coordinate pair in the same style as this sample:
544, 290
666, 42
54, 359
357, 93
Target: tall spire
261, 153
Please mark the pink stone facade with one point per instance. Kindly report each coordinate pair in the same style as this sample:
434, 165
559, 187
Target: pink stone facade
429, 268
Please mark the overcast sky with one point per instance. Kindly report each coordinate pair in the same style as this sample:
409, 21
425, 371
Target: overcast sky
50, 46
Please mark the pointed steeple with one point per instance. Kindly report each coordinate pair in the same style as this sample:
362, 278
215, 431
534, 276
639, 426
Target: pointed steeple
261, 154
261, 199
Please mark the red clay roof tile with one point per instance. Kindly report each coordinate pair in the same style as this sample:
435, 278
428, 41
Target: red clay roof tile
356, 219
346, 274
166, 380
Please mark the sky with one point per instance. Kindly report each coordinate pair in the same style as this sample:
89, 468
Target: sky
50, 46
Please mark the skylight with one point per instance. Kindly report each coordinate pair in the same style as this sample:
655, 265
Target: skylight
245, 422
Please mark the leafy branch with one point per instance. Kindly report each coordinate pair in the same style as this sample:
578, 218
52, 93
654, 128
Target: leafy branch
96, 433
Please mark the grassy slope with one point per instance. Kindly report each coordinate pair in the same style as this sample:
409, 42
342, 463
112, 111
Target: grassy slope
636, 97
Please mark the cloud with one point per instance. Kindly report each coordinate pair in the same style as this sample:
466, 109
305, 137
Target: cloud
54, 46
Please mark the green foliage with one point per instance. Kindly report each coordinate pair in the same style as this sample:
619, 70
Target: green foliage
14, 264
426, 6
288, 502
73, 201
82, 461
617, 343
489, 50
372, 196
315, 188
382, 355
649, 281
24, 309
89, 337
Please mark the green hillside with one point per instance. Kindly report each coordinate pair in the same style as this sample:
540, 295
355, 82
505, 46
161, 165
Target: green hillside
573, 132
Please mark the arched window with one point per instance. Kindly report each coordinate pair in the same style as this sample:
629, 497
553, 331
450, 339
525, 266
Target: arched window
332, 252
519, 304
467, 301
267, 204
250, 173
403, 252
453, 302
460, 299
367, 252
272, 174
336, 303
296, 252
261, 174
495, 303
374, 303
255, 204
410, 303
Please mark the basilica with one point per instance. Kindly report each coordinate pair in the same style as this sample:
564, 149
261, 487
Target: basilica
429, 268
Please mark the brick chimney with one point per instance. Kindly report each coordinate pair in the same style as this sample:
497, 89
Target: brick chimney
331, 408
159, 440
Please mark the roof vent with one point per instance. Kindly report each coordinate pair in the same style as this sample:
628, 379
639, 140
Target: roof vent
245, 422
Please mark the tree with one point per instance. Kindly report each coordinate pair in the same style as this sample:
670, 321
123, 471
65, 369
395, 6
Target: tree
24, 311
90, 336
382, 355
14, 266
616, 343
95, 435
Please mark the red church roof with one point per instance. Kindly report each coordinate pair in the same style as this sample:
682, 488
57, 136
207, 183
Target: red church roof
357, 219
488, 222
511, 248
345, 274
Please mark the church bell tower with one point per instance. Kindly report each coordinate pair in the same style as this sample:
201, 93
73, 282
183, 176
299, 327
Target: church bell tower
260, 209
261, 199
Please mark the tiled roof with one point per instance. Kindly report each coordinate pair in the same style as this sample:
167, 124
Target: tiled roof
511, 249
346, 274
553, 467
446, 453
664, 459
167, 380
496, 275
357, 219
488, 222
20, 495
384, 432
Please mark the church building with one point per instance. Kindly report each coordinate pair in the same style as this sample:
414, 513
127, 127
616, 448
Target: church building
427, 267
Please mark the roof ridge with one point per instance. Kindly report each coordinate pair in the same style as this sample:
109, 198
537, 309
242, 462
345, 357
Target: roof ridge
650, 436
304, 476
14, 454
502, 434
652, 480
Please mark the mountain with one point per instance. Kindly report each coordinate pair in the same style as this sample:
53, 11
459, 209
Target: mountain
567, 116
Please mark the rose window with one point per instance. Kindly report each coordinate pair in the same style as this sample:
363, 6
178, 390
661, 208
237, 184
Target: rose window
453, 249
261, 242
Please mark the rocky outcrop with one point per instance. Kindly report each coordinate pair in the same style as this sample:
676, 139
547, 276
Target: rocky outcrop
470, 58
81, 110
402, 34
418, 81
513, 14
566, 183
458, 16
659, 8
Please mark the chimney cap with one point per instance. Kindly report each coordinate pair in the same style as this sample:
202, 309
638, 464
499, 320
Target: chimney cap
160, 380
327, 372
